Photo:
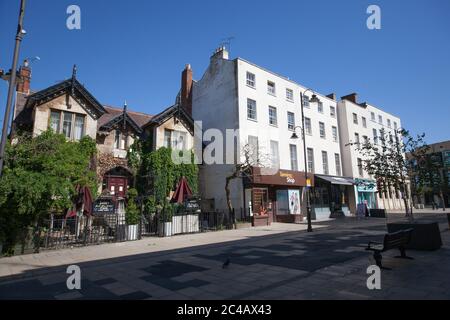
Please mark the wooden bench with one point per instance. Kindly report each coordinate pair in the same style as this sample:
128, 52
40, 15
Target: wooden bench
398, 240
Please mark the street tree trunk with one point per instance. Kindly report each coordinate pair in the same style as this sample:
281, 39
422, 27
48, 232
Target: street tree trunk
441, 195
231, 212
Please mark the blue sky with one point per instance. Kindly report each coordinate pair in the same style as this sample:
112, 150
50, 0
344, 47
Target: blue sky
135, 50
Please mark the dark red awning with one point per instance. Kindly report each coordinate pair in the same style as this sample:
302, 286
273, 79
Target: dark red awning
182, 193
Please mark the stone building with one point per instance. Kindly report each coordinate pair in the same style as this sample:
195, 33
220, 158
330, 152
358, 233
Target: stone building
70, 109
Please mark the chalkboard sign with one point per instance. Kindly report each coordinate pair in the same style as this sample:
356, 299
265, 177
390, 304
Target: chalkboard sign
104, 206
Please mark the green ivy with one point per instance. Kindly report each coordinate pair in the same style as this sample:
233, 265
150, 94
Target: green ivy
158, 175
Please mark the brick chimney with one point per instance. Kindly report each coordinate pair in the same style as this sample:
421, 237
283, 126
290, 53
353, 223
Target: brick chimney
186, 89
353, 97
24, 78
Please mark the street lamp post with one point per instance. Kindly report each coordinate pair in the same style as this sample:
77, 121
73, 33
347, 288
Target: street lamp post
12, 83
294, 136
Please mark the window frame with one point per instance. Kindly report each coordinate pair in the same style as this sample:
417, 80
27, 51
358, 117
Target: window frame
272, 116
322, 126
289, 92
325, 163
294, 162
271, 88
255, 111
291, 125
248, 81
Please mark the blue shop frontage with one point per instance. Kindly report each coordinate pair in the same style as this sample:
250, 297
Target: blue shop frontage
366, 193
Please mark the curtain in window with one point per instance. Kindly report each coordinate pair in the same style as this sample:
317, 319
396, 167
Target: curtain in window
67, 125
79, 127
54, 121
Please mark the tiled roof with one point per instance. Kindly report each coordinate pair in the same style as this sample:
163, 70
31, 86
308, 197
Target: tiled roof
112, 112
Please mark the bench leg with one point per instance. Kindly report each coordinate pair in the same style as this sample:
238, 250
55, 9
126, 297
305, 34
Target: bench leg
378, 258
403, 254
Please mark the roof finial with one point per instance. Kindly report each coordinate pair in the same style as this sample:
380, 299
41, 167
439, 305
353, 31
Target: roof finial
124, 114
74, 71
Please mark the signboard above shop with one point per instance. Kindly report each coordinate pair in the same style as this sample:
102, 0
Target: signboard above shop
281, 178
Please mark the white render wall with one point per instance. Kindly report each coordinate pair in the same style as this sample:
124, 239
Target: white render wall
350, 155
214, 100
266, 132
220, 102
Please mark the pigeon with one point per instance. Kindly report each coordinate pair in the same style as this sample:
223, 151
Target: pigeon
226, 264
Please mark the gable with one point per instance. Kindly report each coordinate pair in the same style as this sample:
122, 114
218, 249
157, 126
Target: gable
70, 88
174, 111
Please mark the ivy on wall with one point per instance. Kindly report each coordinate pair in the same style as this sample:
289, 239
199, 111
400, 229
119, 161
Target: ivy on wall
158, 175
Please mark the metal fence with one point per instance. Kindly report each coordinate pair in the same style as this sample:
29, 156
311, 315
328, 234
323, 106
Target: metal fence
80, 231
107, 228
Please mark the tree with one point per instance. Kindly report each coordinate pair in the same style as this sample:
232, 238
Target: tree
251, 158
427, 172
385, 159
40, 177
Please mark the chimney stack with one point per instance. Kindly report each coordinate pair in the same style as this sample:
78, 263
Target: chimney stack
332, 96
220, 53
186, 89
24, 78
353, 97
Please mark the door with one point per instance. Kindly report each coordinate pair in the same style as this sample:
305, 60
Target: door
117, 187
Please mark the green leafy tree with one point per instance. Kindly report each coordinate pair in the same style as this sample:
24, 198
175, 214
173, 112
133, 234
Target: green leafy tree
385, 159
427, 172
132, 213
40, 177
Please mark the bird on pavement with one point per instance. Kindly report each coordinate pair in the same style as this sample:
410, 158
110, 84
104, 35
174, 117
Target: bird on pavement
226, 263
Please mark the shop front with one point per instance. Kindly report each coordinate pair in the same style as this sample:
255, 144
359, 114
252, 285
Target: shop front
330, 196
277, 197
366, 192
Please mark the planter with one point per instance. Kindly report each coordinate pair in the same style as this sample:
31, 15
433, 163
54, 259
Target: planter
260, 221
132, 232
165, 229
377, 213
426, 236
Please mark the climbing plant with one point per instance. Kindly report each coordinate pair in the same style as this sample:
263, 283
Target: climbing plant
158, 174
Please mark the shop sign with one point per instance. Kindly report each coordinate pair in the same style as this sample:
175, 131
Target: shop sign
289, 177
366, 185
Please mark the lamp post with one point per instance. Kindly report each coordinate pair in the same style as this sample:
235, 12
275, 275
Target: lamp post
314, 99
12, 83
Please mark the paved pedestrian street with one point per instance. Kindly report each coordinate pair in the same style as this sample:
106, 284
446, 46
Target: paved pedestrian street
264, 263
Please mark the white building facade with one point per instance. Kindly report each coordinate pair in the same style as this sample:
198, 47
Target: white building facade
357, 122
265, 109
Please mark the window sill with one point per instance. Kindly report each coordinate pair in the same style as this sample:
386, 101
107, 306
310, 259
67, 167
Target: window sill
252, 87
253, 120
273, 125
272, 94
289, 100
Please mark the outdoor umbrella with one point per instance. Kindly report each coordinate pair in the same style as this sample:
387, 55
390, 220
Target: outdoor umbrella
84, 200
182, 192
